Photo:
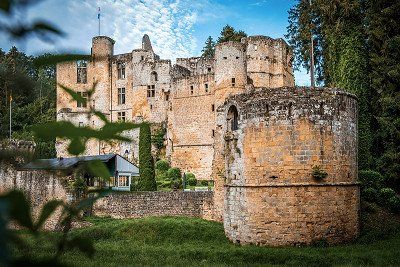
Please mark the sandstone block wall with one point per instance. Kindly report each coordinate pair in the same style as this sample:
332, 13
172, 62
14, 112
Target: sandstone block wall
144, 204
270, 195
39, 187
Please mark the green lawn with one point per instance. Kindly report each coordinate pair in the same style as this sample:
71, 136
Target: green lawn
188, 241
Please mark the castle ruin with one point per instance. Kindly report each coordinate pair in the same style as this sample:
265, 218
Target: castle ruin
238, 120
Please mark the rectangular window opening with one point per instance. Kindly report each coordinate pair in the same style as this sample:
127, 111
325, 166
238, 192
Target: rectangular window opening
121, 71
206, 87
121, 116
81, 66
233, 82
121, 96
212, 107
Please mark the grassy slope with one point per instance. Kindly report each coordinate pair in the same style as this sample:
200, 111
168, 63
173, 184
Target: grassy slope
188, 241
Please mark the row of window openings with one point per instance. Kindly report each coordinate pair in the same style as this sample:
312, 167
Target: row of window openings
82, 72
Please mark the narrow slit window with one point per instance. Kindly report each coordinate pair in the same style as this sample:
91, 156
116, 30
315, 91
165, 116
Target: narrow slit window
206, 87
191, 89
233, 82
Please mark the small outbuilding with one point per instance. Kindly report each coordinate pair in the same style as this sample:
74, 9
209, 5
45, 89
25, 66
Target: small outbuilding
122, 171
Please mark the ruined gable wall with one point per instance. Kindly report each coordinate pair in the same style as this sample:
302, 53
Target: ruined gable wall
197, 65
152, 109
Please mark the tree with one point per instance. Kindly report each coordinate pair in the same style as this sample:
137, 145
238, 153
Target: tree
341, 54
228, 33
147, 180
209, 48
383, 35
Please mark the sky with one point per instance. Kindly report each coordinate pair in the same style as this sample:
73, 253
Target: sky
177, 28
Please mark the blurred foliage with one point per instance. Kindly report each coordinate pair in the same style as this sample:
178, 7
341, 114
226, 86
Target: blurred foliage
28, 84
158, 137
208, 49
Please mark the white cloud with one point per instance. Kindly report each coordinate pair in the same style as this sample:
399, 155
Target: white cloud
169, 23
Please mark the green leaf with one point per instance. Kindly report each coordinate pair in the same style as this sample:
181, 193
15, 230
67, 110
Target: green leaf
46, 212
101, 116
20, 209
46, 27
77, 97
5, 5
98, 169
50, 60
77, 146
85, 245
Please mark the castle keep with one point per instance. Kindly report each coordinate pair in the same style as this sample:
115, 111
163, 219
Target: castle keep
236, 119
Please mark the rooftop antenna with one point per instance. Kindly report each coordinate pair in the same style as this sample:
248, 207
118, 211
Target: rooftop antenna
312, 54
98, 17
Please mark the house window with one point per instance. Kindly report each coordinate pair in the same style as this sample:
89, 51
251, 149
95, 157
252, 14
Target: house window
84, 103
206, 87
232, 119
213, 133
233, 82
121, 96
212, 107
142, 58
166, 96
154, 77
191, 89
151, 91
121, 116
81, 66
123, 180
225, 57
121, 71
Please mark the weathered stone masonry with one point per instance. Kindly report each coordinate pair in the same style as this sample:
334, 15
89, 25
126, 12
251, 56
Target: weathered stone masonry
144, 204
270, 195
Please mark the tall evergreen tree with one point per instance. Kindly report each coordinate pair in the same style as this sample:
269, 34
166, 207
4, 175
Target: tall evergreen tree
209, 48
383, 35
340, 53
229, 33
147, 180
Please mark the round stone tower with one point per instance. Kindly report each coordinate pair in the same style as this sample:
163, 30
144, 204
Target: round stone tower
102, 46
277, 145
230, 70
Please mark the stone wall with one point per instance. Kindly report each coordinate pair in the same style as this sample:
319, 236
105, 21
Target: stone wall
144, 204
270, 195
39, 187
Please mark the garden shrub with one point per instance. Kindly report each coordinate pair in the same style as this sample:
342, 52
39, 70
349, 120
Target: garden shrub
370, 179
386, 194
394, 204
174, 174
204, 183
191, 179
162, 165
176, 184
370, 194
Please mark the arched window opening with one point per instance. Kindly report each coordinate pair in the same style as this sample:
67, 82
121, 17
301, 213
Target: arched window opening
154, 77
233, 119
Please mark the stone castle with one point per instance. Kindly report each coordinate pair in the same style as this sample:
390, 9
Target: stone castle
236, 119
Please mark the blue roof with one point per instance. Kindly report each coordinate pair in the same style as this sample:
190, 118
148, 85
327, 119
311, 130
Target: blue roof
64, 163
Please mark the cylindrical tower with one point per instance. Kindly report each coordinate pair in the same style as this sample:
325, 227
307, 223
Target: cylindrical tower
278, 143
102, 46
230, 70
